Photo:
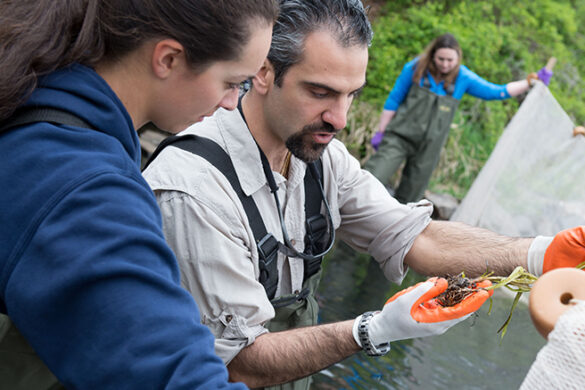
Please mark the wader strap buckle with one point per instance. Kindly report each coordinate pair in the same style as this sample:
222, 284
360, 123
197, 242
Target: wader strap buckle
290, 299
267, 262
314, 242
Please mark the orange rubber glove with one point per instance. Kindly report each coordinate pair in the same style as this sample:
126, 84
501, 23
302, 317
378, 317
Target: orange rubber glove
567, 249
415, 312
432, 311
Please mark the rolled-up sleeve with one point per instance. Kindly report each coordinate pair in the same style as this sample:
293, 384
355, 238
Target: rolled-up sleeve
212, 248
373, 221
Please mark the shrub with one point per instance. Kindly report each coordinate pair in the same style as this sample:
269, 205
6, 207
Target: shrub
500, 42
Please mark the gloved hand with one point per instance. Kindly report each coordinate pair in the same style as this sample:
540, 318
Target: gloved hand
545, 75
414, 312
531, 78
377, 140
566, 249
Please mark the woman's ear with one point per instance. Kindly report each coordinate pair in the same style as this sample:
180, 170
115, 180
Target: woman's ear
264, 79
167, 55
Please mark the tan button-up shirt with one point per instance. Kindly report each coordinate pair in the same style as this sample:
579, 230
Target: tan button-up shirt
207, 227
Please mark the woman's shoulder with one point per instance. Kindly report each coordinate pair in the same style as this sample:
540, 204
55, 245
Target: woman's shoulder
411, 64
466, 75
408, 69
466, 72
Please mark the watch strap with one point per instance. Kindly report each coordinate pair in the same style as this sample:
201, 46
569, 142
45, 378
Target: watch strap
364, 336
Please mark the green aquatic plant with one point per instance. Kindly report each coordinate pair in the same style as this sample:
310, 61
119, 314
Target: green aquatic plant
519, 281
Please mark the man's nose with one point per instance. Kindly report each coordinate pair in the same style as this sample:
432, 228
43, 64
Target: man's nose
336, 114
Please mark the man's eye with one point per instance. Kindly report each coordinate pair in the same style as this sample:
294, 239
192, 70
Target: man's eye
319, 94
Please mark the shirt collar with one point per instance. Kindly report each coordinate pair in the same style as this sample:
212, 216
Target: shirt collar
245, 155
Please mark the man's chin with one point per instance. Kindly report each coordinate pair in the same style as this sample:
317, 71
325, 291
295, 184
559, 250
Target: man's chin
309, 156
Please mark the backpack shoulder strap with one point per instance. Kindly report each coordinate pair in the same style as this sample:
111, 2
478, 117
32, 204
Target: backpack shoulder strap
212, 152
28, 115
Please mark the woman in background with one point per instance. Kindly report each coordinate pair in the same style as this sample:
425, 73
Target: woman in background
419, 110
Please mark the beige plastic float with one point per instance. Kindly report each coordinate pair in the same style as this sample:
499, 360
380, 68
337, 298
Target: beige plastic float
553, 294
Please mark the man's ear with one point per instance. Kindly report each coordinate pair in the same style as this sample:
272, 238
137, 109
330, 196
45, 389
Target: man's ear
167, 55
264, 79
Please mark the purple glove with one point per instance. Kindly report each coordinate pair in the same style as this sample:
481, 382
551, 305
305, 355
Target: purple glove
377, 140
544, 75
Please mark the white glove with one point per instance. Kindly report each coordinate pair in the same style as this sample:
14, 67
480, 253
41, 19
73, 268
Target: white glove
536, 253
414, 313
565, 249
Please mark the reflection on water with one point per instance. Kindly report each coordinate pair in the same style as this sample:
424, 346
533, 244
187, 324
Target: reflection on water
469, 356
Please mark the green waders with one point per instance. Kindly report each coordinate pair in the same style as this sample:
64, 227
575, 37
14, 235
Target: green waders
297, 313
416, 134
20, 367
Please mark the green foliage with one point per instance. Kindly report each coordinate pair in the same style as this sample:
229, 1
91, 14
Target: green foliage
502, 41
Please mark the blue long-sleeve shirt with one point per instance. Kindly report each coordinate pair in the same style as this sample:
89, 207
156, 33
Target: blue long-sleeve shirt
85, 272
466, 82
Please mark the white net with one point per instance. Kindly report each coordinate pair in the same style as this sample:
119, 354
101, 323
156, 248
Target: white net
560, 364
534, 181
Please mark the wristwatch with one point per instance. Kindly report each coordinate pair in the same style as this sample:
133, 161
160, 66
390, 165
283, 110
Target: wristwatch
363, 334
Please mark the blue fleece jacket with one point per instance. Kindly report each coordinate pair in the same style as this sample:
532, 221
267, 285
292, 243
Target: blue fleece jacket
466, 82
85, 273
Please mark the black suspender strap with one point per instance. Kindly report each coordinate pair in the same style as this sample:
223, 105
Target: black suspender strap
316, 224
266, 243
28, 115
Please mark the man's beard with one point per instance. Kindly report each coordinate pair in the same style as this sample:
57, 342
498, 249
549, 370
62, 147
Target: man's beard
302, 145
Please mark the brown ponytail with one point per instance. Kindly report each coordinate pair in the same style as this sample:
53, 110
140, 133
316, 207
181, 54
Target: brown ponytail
40, 36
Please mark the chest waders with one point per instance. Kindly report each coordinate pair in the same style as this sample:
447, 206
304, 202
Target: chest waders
293, 310
20, 367
416, 134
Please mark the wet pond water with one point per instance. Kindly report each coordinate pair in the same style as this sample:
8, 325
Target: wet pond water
471, 355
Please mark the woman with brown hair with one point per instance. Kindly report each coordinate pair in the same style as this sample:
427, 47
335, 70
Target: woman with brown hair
419, 110
86, 276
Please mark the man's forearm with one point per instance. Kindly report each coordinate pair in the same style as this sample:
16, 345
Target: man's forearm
449, 248
285, 356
